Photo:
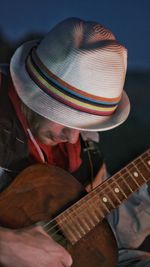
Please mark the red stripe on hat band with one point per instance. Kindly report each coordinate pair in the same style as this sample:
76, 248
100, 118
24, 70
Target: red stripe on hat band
79, 108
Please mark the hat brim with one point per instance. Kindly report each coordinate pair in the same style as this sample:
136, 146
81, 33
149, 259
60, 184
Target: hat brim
46, 106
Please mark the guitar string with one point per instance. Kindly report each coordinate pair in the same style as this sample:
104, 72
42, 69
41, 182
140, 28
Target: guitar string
86, 203
74, 233
76, 216
81, 206
109, 181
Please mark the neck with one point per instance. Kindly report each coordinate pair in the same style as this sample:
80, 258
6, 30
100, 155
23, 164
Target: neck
85, 214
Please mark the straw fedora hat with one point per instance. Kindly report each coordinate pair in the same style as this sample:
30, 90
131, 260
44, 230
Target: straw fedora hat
74, 76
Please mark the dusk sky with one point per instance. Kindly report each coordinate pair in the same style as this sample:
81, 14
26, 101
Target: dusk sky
129, 20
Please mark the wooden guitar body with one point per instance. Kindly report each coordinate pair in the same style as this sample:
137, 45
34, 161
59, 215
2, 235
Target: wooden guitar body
42, 193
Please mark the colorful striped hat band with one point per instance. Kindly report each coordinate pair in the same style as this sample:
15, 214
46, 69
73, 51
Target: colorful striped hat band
65, 93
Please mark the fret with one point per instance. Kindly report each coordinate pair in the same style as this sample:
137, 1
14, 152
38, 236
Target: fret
129, 180
67, 231
76, 223
70, 226
95, 217
86, 221
112, 190
99, 212
102, 209
93, 198
146, 159
123, 185
71, 229
143, 171
74, 227
85, 224
105, 204
91, 214
113, 196
117, 189
89, 220
118, 192
129, 187
146, 164
87, 227
78, 219
136, 174
91, 211
80, 226
146, 156
107, 198
96, 207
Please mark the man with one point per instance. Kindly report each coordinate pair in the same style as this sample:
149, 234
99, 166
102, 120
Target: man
61, 91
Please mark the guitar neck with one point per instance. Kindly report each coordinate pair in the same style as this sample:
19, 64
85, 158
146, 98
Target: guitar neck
85, 214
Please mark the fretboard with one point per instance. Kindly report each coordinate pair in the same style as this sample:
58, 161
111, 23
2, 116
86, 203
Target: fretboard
85, 214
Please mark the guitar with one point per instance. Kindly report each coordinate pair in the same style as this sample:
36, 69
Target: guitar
51, 195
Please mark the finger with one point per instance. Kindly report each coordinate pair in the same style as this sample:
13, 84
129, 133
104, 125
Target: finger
67, 260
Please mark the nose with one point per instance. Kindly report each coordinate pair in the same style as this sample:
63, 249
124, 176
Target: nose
72, 135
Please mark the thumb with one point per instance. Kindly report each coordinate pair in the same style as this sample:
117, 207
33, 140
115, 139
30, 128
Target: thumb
67, 259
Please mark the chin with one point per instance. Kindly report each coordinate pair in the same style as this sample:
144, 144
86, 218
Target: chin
51, 143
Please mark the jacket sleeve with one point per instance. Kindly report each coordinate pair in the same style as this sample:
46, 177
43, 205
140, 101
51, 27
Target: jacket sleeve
13, 156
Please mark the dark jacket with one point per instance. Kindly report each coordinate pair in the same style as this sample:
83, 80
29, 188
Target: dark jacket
14, 154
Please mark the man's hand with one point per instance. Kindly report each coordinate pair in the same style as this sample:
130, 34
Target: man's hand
100, 177
31, 247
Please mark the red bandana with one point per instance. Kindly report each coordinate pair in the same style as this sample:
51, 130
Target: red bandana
64, 155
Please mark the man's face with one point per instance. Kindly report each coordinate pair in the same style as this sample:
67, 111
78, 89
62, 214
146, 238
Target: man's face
52, 133
49, 132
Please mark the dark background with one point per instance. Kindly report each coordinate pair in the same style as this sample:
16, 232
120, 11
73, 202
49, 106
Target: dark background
130, 22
